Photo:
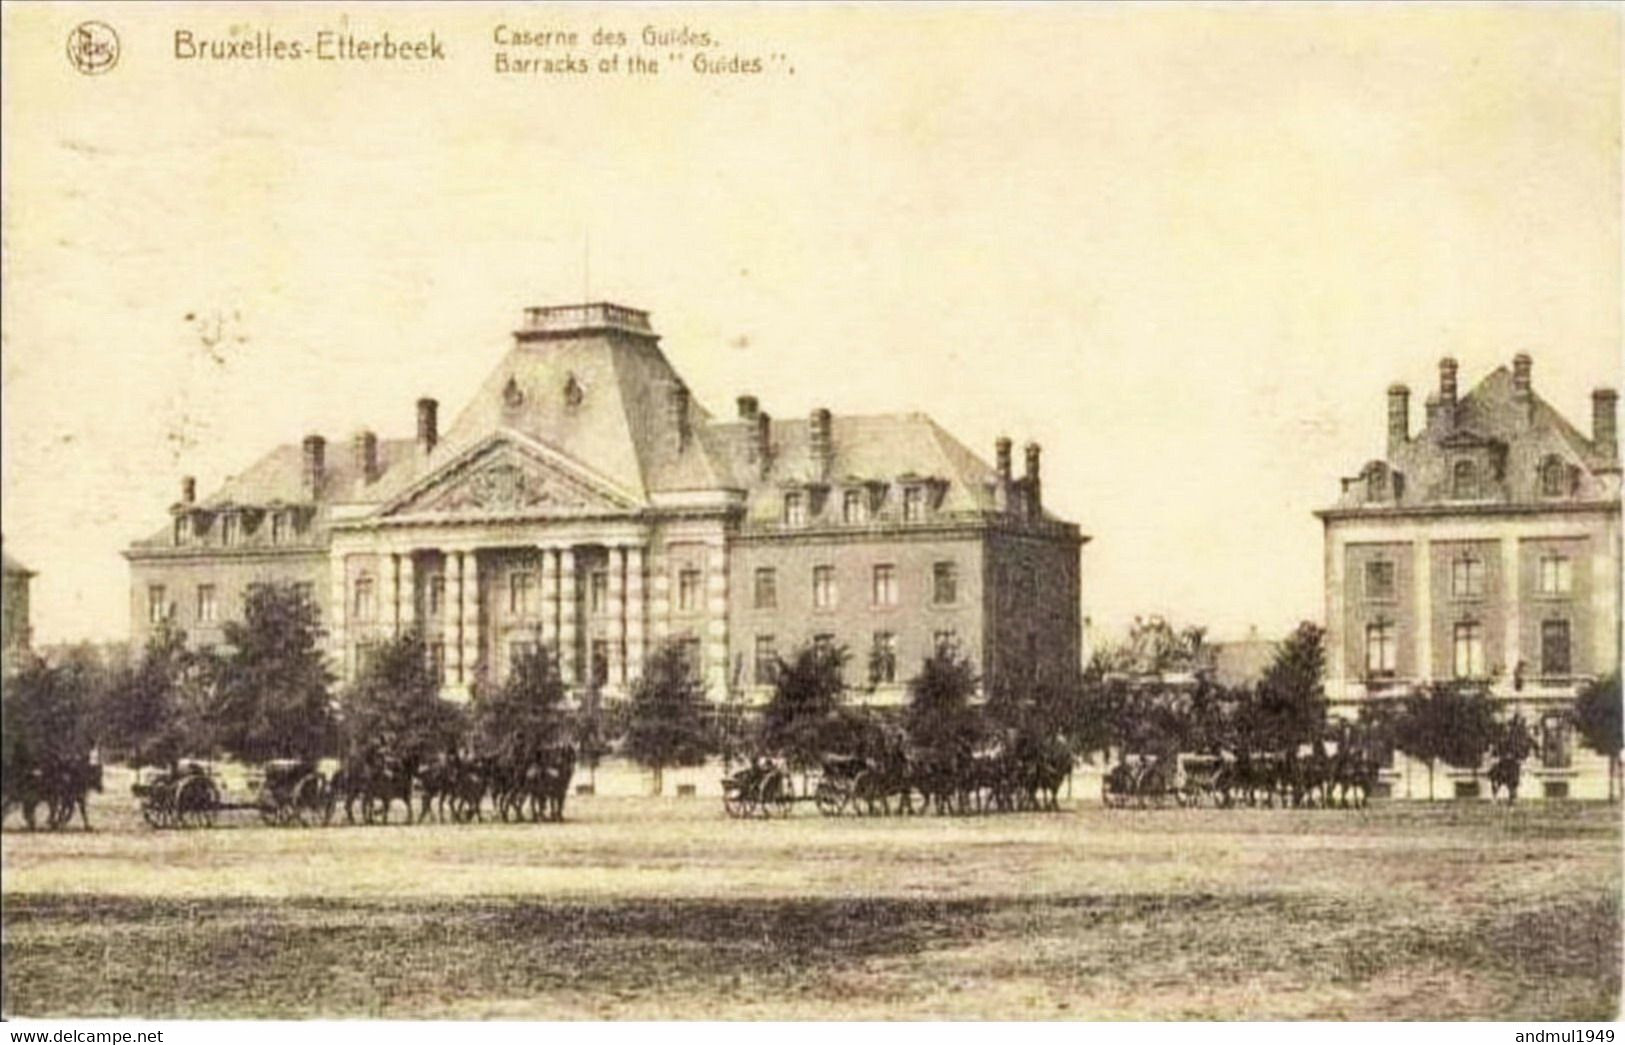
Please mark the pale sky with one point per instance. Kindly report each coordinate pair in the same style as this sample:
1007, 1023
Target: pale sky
1184, 248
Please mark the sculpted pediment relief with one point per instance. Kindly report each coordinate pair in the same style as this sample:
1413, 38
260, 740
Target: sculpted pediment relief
507, 480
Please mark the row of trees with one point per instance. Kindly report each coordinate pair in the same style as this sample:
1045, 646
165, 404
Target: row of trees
267, 693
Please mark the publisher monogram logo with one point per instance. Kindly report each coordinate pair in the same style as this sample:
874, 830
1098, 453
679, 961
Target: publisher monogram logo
93, 48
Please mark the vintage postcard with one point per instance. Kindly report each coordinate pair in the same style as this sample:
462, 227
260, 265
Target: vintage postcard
823, 512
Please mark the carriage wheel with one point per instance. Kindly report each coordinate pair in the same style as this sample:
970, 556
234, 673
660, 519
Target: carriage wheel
829, 799
195, 802
151, 813
732, 802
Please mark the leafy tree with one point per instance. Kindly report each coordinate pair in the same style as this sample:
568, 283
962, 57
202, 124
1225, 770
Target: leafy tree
940, 716
802, 720
45, 716
1153, 647
272, 699
593, 730
526, 713
667, 717
156, 712
1597, 719
1290, 700
1449, 723
395, 704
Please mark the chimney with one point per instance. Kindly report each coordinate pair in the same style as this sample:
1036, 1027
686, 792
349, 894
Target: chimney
188, 490
365, 448
1035, 499
1447, 384
748, 408
764, 442
677, 405
315, 464
1001, 458
1521, 366
1605, 422
1399, 417
818, 443
428, 424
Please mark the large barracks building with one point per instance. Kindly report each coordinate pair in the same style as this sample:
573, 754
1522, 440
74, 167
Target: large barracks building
584, 502
1484, 547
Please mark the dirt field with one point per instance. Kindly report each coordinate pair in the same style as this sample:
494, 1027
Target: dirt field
646, 908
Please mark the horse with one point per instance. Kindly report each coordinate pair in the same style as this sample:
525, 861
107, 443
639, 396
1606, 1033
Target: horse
25, 789
1506, 773
68, 786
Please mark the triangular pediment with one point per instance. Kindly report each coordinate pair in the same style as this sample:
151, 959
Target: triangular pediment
508, 474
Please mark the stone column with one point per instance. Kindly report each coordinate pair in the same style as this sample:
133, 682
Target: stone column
617, 618
338, 613
550, 599
1422, 565
567, 615
660, 594
406, 606
635, 612
716, 617
389, 612
454, 636
470, 598
1512, 640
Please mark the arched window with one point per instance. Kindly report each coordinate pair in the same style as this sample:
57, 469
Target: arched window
1553, 478
1464, 480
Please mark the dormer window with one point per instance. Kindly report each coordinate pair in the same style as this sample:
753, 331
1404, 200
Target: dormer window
1464, 481
180, 529
795, 509
1553, 478
279, 527
913, 504
228, 529
854, 508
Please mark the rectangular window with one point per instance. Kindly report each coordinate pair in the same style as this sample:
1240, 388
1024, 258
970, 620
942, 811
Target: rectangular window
688, 590
366, 603
690, 648
1556, 751
1464, 481
885, 585
598, 590
520, 586
1467, 578
437, 593
205, 603
853, 507
1555, 659
913, 504
1379, 579
600, 661
437, 662
157, 604
767, 660
823, 587
180, 530
1468, 650
279, 527
767, 588
365, 652
795, 510
883, 661
1556, 575
1381, 649
228, 529
944, 583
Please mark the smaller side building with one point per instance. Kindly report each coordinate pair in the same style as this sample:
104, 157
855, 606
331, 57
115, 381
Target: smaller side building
16, 634
1486, 548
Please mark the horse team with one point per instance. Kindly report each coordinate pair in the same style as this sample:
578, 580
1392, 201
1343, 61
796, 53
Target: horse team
62, 787
523, 785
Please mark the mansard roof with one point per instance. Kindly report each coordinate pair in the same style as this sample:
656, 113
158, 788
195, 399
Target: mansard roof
1512, 435
590, 386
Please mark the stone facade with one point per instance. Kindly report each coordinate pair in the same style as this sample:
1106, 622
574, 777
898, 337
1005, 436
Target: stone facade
18, 633
1484, 547
584, 502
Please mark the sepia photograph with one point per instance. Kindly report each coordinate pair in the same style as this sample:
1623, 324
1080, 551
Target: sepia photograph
822, 512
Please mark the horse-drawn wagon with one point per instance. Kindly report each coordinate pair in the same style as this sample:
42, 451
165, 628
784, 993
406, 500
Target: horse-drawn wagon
285, 792
762, 788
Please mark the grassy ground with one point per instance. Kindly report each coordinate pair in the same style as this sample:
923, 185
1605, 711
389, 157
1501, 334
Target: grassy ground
643, 908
